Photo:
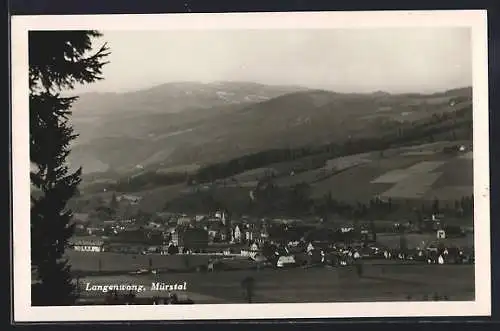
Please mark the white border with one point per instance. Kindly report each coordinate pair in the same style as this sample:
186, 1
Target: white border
475, 19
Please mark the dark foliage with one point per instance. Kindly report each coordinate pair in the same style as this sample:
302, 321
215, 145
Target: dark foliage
57, 61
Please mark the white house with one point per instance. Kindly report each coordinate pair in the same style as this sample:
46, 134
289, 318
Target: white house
254, 247
87, 244
248, 235
199, 218
252, 251
285, 261
440, 259
237, 234
310, 248
346, 229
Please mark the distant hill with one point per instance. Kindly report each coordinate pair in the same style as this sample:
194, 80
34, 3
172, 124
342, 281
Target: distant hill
176, 97
197, 124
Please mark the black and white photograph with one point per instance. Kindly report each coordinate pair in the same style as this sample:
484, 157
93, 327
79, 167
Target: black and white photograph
279, 165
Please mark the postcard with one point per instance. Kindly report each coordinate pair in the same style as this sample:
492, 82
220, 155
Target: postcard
250, 166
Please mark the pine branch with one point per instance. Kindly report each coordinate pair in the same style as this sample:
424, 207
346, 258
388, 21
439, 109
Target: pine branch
57, 60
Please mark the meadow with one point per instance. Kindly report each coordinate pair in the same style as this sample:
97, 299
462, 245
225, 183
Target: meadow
417, 240
86, 262
379, 282
417, 173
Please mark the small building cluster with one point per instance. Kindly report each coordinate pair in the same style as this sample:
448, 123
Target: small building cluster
276, 242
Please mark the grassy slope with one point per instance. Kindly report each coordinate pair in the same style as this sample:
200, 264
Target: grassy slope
352, 184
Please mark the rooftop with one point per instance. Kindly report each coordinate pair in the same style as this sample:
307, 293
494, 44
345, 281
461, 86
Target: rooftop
86, 240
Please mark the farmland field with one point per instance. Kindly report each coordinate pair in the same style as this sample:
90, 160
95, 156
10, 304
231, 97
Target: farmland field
414, 172
152, 200
424, 167
117, 262
344, 162
391, 177
423, 176
422, 240
254, 174
380, 282
457, 172
413, 187
189, 168
418, 153
351, 185
304, 177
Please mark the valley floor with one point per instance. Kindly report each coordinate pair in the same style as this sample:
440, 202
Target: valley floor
379, 282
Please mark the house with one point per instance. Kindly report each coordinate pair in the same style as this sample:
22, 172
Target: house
249, 235
253, 235
190, 238
80, 229
264, 234
212, 234
94, 230
199, 218
285, 261
254, 247
346, 229
218, 232
251, 251
310, 248
224, 218
236, 234
441, 234
87, 244
183, 220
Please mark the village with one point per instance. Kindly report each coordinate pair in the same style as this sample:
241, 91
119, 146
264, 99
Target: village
274, 242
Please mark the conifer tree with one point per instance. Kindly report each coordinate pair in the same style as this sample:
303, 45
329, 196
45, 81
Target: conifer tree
57, 61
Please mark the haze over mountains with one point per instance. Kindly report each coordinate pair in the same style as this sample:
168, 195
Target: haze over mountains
193, 124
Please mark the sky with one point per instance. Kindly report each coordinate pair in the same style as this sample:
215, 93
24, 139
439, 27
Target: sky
342, 60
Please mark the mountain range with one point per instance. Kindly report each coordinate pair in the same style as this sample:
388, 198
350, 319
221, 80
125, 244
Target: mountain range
193, 124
